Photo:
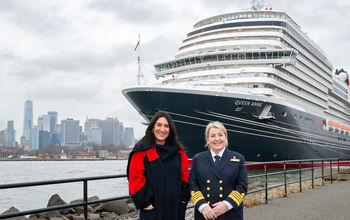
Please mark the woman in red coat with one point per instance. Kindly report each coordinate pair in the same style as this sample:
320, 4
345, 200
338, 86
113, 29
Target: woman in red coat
158, 172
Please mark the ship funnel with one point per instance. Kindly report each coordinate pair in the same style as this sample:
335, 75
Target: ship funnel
343, 75
257, 4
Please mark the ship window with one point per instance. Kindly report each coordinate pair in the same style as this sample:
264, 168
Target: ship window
249, 56
269, 55
255, 86
241, 56
301, 117
284, 114
275, 55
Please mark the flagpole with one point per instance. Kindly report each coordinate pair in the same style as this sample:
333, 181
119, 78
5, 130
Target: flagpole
139, 73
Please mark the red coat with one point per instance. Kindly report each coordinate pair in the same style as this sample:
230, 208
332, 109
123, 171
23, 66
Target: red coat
159, 176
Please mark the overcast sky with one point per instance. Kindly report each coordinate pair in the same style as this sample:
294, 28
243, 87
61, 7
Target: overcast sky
77, 56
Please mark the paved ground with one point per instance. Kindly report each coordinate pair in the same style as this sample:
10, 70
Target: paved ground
330, 202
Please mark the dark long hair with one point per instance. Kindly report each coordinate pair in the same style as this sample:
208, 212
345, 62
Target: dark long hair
150, 140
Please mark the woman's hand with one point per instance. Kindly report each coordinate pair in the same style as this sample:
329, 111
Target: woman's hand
220, 208
208, 213
150, 207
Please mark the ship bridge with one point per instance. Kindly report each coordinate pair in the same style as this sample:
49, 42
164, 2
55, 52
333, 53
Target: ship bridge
275, 56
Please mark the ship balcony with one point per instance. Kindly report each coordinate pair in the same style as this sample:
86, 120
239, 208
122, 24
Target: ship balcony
253, 44
233, 35
262, 91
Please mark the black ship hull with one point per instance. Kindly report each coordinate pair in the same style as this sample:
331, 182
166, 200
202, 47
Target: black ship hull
258, 128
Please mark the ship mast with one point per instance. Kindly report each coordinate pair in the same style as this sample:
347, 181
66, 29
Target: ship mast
139, 72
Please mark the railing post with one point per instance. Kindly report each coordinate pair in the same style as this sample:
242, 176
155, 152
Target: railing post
285, 180
312, 174
85, 188
266, 190
330, 166
300, 186
338, 167
322, 173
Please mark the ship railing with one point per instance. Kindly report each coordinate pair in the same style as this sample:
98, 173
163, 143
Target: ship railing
287, 167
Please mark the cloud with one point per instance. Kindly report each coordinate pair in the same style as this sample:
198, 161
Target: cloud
57, 92
34, 17
70, 63
7, 55
134, 11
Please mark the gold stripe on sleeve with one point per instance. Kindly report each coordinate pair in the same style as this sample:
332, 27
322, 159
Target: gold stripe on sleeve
196, 196
235, 196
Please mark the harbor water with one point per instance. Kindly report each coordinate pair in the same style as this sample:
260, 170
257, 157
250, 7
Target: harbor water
37, 197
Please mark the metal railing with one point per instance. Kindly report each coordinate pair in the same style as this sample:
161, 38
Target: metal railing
84, 203
312, 165
299, 166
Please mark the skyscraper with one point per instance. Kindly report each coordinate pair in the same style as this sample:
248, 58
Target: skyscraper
28, 119
129, 137
10, 134
70, 131
110, 131
53, 122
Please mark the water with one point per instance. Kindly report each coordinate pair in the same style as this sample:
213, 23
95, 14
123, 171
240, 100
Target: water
38, 196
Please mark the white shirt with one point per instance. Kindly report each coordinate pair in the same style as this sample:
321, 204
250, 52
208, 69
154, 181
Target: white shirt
229, 206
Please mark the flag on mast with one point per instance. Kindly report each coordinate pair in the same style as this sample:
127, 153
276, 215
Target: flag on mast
138, 43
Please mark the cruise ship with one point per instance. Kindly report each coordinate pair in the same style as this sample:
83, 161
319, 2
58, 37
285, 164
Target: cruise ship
259, 74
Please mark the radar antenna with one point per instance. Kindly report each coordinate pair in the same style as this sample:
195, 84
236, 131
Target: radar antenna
257, 4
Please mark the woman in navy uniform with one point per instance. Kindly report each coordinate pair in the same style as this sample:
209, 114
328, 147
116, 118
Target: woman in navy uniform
158, 172
218, 179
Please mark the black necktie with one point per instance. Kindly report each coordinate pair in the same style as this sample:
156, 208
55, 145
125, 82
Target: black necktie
217, 158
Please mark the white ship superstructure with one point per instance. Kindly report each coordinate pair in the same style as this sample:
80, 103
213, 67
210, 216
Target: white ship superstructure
261, 55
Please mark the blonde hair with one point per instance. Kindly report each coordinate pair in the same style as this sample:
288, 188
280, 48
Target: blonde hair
218, 125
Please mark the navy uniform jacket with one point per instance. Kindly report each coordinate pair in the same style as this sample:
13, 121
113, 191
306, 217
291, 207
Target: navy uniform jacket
226, 181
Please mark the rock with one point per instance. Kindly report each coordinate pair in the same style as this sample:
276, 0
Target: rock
98, 209
80, 209
93, 216
57, 200
53, 214
118, 207
94, 198
250, 186
79, 217
40, 215
14, 210
109, 215
129, 200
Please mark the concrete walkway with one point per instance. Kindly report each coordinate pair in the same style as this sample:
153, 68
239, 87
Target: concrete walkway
330, 202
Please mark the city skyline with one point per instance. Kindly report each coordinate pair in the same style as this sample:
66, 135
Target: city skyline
48, 132
76, 57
